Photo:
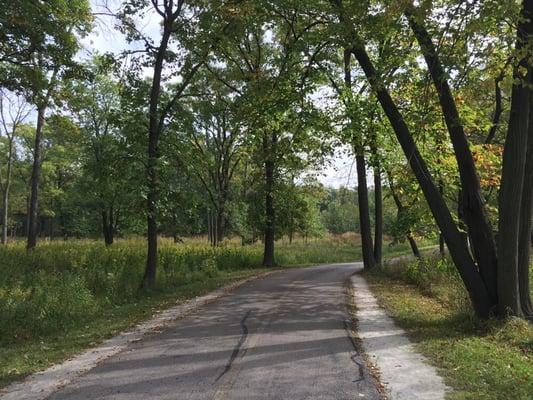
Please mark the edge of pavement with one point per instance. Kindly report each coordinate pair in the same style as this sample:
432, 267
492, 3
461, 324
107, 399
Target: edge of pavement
402, 372
40, 385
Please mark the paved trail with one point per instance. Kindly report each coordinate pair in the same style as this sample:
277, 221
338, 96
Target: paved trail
281, 337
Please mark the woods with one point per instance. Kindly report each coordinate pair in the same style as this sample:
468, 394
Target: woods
218, 121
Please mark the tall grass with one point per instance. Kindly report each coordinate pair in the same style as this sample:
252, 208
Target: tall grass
61, 284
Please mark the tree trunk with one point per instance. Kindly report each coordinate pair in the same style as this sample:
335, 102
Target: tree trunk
154, 129
362, 186
268, 152
475, 215
107, 227
364, 213
513, 176
526, 214
481, 300
414, 247
378, 211
441, 237
5, 195
526, 211
220, 223
35, 180
401, 210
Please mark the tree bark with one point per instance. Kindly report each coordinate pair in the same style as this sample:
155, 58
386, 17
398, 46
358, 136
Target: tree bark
514, 174
526, 215
378, 216
33, 216
475, 215
154, 129
362, 186
108, 227
220, 224
364, 212
269, 154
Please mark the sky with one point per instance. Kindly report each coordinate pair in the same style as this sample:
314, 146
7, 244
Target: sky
338, 170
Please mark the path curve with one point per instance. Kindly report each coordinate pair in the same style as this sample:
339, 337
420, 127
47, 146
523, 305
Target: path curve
281, 337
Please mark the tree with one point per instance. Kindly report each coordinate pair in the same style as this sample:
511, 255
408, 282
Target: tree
478, 273
96, 102
213, 147
181, 26
13, 112
38, 56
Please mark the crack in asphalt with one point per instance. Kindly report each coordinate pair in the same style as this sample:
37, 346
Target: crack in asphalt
238, 346
354, 354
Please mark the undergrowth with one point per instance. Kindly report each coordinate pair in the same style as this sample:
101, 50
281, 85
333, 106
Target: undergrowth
479, 359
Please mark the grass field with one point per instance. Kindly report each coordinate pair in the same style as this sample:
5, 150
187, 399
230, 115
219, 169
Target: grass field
480, 360
66, 296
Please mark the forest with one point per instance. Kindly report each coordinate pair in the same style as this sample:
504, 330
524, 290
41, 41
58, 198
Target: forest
194, 151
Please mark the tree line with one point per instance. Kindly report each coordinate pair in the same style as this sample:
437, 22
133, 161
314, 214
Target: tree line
232, 105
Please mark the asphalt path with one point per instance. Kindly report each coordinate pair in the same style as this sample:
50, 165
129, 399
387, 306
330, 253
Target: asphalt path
281, 337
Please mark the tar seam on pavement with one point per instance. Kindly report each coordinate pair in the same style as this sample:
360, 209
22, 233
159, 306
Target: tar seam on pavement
238, 346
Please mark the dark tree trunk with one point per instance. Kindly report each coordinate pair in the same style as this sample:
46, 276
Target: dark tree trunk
401, 210
498, 109
441, 237
475, 216
364, 213
513, 182
154, 129
526, 211
362, 186
33, 214
108, 228
269, 155
209, 228
220, 224
378, 211
414, 247
526, 214
475, 286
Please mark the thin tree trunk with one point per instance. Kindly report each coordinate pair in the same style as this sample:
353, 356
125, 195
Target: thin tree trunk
107, 227
362, 186
412, 243
513, 175
35, 180
364, 213
498, 109
220, 223
441, 237
209, 228
154, 129
268, 152
400, 208
378, 211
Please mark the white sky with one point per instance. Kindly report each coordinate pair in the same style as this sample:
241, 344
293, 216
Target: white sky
104, 38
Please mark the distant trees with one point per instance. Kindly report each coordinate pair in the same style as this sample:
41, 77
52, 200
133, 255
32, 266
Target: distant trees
216, 123
14, 111
41, 41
